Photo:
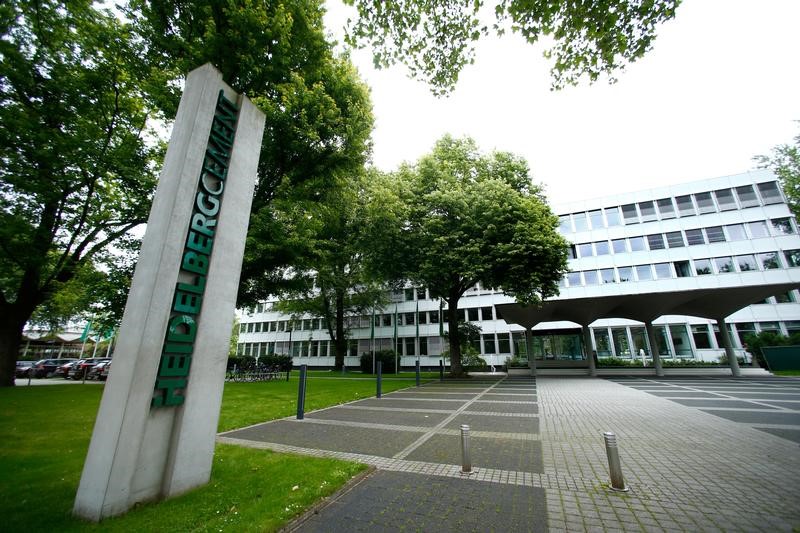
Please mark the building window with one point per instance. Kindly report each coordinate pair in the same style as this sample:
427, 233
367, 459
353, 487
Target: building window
602, 342
607, 275
655, 241
619, 246
724, 264
636, 244
792, 326
620, 336
792, 257
665, 208
768, 260
648, 211
409, 295
685, 205
434, 317
473, 314
682, 269
747, 197
694, 237
422, 317
743, 330
736, 232
758, 229
411, 348
565, 224
486, 313
625, 274
409, 319
675, 239
387, 320
612, 216
420, 293
702, 340
601, 248
725, 199
663, 271
785, 298
423, 345
596, 218
774, 327
704, 202
629, 214
770, 193
644, 272
503, 344
702, 267
580, 221
746, 263
488, 344
782, 226
715, 234
590, 277
585, 250
574, 279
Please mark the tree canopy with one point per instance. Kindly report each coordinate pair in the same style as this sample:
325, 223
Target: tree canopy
435, 40
469, 218
784, 161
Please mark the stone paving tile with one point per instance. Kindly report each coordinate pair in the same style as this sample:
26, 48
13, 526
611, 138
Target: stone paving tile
771, 395
728, 404
683, 393
410, 403
758, 417
503, 424
329, 437
396, 501
397, 418
504, 407
496, 453
431, 395
509, 397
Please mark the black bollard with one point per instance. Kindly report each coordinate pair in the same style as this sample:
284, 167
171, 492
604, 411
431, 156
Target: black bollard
441, 370
301, 393
288, 371
418, 373
380, 371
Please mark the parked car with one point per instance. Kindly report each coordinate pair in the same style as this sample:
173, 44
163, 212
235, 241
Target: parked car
44, 368
84, 366
63, 370
23, 367
97, 371
102, 370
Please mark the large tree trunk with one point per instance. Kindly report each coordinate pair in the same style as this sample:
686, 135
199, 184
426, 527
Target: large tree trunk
340, 342
452, 335
10, 341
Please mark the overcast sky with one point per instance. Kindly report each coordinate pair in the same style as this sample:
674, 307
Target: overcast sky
721, 85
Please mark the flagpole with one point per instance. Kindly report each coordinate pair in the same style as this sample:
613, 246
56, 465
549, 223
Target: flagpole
372, 339
416, 335
396, 352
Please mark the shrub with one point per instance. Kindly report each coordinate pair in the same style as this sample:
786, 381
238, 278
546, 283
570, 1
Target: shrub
516, 363
618, 361
387, 357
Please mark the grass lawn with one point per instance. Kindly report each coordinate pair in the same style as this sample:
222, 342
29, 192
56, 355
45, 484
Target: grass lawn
786, 372
45, 432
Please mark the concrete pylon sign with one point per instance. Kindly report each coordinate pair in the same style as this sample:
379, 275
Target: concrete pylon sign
155, 430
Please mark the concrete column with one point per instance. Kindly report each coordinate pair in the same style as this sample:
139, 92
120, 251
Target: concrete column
728, 345
589, 347
529, 348
651, 338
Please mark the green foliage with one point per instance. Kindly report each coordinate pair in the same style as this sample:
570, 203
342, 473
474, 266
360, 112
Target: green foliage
471, 360
516, 363
78, 157
436, 40
754, 343
784, 161
462, 218
618, 362
387, 357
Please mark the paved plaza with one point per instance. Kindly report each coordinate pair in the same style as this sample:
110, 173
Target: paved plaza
698, 454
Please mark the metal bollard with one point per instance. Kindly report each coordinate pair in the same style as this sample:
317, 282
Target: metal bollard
417, 373
614, 466
466, 462
441, 370
301, 393
380, 372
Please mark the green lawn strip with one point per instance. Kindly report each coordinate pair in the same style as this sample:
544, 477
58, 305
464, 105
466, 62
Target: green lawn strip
786, 372
45, 434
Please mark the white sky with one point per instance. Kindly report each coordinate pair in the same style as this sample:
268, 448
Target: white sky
721, 85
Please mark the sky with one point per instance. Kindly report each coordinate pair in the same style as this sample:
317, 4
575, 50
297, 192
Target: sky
720, 85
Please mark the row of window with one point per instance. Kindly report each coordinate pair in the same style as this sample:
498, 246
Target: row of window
679, 206
682, 269
693, 237
674, 340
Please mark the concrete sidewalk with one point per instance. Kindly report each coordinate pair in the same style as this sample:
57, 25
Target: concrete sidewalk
729, 464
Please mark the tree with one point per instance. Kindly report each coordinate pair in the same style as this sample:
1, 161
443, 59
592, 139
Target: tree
329, 276
435, 40
784, 161
77, 157
471, 218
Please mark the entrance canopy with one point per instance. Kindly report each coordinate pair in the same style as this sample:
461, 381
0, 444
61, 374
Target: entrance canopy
712, 303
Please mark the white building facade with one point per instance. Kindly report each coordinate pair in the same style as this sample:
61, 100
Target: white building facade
727, 232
